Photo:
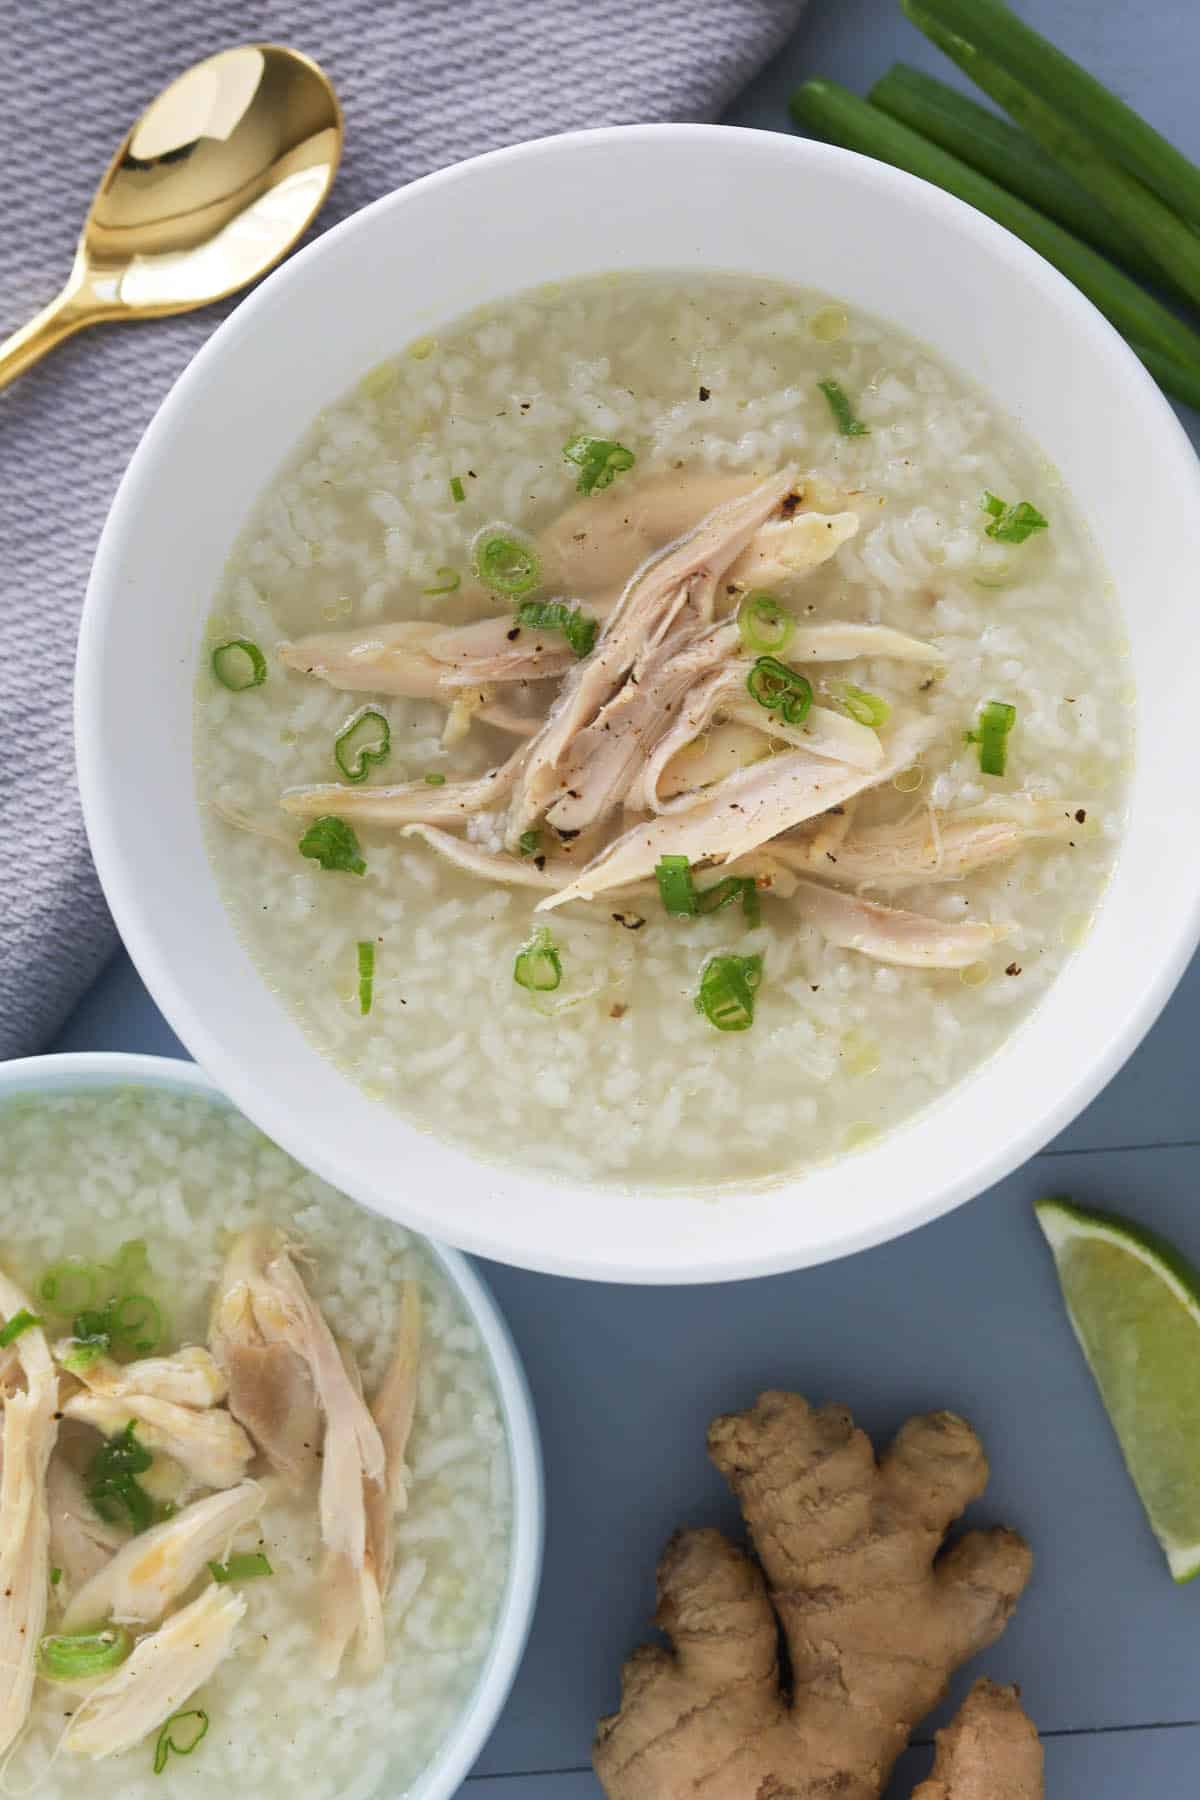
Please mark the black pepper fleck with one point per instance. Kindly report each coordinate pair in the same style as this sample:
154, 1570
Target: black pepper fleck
705, 393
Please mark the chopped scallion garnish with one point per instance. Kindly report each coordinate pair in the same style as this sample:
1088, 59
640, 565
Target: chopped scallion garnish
842, 411
76, 1655
996, 720
238, 664
598, 460
1011, 524
676, 887
724, 893
364, 739
578, 627
866, 708
366, 976
538, 966
727, 988
528, 842
20, 1321
457, 491
506, 564
449, 580
68, 1286
181, 1733
763, 625
55, 1577
433, 779
780, 689
112, 1486
241, 1568
332, 843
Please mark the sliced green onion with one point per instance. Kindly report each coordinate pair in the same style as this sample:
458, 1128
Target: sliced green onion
1011, 524
55, 1577
727, 988
366, 976
675, 885
868, 709
538, 966
996, 720
241, 1568
20, 1321
363, 740
112, 1487
333, 844
598, 460
181, 1733
842, 411
528, 842
73, 1656
780, 689
450, 579
68, 1286
433, 779
84, 1350
763, 625
579, 628
724, 893
238, 664
507, 565
457, 491
135, 1322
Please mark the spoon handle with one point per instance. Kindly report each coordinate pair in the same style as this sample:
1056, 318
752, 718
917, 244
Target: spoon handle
65, 315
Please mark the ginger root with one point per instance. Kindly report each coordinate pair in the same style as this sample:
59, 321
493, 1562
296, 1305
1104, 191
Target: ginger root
874, 1620
990, 1752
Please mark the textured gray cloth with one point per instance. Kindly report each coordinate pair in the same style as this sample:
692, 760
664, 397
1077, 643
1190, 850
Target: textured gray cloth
422, 85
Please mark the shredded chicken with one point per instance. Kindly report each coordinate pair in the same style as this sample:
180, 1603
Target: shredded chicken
158, 1678
30, 1427
409, 802
261, 1275
845, 643
890, 935
934, 846
271, 1390
210, 1445
154, 1570
352, 1599
190, 1377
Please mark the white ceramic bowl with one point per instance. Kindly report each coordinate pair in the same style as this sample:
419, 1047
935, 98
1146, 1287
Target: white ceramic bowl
443, 1775
672, 197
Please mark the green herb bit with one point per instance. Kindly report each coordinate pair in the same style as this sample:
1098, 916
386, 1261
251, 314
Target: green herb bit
68, 1286
450, 581
996, 720
727, 988
867, 708
85, 1350
135, 1322
458, 492
20, 1321
528, 842
241, 1568
675, 886
181, 1733
578, 627
780, 689
538, 966
598, 460
842, 411
73, 1656
366, 976
333, 844
1011, 524
506, 564
433, 779
238, 664
55, 1577
112, 1486
364, 739
724, 893
763, 625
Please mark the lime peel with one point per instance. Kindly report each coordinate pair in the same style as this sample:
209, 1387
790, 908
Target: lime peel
1144, 1354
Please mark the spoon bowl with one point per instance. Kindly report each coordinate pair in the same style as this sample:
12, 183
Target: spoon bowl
215, 183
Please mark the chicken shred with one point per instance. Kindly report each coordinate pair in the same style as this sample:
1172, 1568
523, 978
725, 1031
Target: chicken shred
190, 1377
210, 1445
30, 1429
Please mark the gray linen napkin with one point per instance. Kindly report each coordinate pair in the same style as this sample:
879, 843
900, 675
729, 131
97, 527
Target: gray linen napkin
422, 85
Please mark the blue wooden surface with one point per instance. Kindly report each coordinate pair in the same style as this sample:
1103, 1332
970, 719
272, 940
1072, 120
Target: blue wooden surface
964, 1314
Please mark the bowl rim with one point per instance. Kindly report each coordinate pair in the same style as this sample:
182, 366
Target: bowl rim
442, 1776
980, 1168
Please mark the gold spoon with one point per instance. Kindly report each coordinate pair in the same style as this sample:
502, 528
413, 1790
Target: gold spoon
216, 181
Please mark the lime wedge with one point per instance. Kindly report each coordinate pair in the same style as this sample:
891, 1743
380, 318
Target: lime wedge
1135, 1305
